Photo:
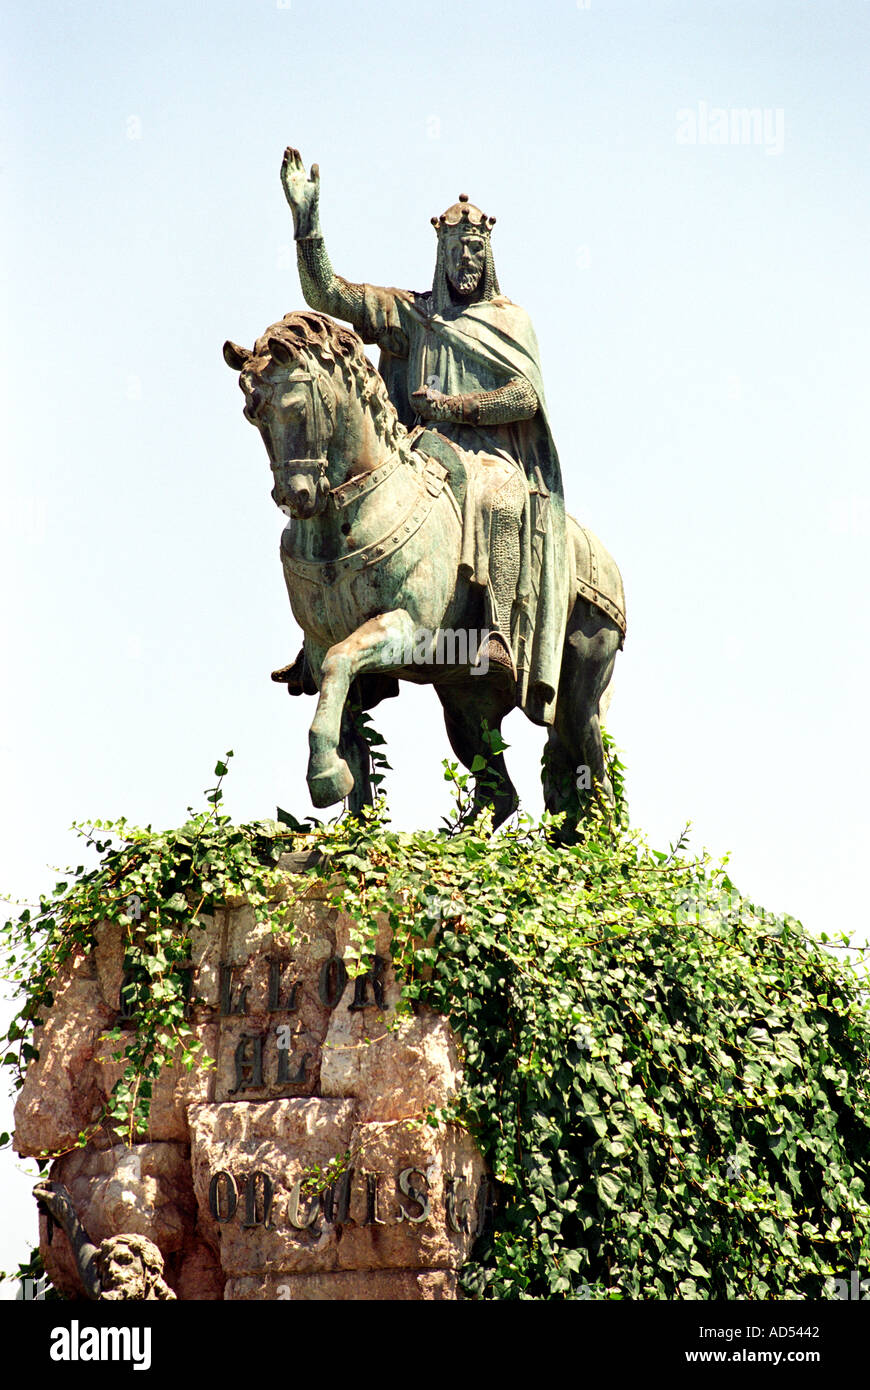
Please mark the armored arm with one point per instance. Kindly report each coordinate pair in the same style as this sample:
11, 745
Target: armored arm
322, 288
517, 400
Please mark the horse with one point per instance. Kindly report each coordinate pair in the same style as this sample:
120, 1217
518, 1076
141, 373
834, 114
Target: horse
371, 560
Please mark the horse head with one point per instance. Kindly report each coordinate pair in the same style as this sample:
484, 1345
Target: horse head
320, 405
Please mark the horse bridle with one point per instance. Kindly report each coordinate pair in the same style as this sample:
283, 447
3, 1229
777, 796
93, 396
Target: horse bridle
343, 494
316, 438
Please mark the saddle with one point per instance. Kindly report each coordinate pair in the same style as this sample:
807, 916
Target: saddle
492, 499
501, 514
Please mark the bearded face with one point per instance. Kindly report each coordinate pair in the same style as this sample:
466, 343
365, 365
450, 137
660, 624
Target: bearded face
465, 258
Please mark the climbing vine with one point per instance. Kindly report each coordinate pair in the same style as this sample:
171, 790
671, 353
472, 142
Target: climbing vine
159, 888
671, 1086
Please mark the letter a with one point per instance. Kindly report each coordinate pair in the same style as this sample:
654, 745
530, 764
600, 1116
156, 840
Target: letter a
59, 1350
687, 133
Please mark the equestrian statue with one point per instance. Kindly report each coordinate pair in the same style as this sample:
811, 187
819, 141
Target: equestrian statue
427, 538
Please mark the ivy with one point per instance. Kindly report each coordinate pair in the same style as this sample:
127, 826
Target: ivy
671, 1086
160, 888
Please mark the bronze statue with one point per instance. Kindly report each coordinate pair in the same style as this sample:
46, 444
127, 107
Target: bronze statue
424, 501
464, 359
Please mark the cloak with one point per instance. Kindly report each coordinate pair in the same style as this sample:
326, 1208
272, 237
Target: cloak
475, 347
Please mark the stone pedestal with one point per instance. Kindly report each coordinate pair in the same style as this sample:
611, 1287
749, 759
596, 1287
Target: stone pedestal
300, 1164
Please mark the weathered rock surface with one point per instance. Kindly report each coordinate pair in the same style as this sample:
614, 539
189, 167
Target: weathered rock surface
295, 1160
61, 1096
387, 1284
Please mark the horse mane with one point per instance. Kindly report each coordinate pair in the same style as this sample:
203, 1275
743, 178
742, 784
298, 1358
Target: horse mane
340, 349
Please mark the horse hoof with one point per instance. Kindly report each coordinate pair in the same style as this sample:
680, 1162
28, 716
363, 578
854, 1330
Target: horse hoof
334, 784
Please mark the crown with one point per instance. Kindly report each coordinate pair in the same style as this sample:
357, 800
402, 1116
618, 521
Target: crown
464, 214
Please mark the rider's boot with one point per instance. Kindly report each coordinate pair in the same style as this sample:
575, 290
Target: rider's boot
296, 677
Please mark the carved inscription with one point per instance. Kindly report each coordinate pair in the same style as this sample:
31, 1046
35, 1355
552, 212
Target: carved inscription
355, 1198
274, 1018
332, 982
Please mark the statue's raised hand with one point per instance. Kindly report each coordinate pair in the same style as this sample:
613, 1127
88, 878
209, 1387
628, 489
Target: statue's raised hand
302, 192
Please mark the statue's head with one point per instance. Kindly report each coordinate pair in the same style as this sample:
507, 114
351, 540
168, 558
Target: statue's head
129, 1265
464, 254
464, 259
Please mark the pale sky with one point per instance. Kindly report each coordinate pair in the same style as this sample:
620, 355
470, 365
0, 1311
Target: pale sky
700, 294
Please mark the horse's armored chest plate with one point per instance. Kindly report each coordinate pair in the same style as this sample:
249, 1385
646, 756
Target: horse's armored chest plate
393, 521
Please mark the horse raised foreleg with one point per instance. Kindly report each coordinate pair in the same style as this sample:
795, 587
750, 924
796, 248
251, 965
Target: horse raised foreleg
380, 644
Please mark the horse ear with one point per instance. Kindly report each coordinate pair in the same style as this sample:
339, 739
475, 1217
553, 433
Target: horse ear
236, 356
279, 351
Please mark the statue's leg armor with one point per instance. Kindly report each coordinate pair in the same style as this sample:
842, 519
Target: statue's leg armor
504, 564
297, 677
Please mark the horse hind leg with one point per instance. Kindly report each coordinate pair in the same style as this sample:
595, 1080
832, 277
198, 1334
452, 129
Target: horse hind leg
575, 768
466, 708
354, 751
575, 774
